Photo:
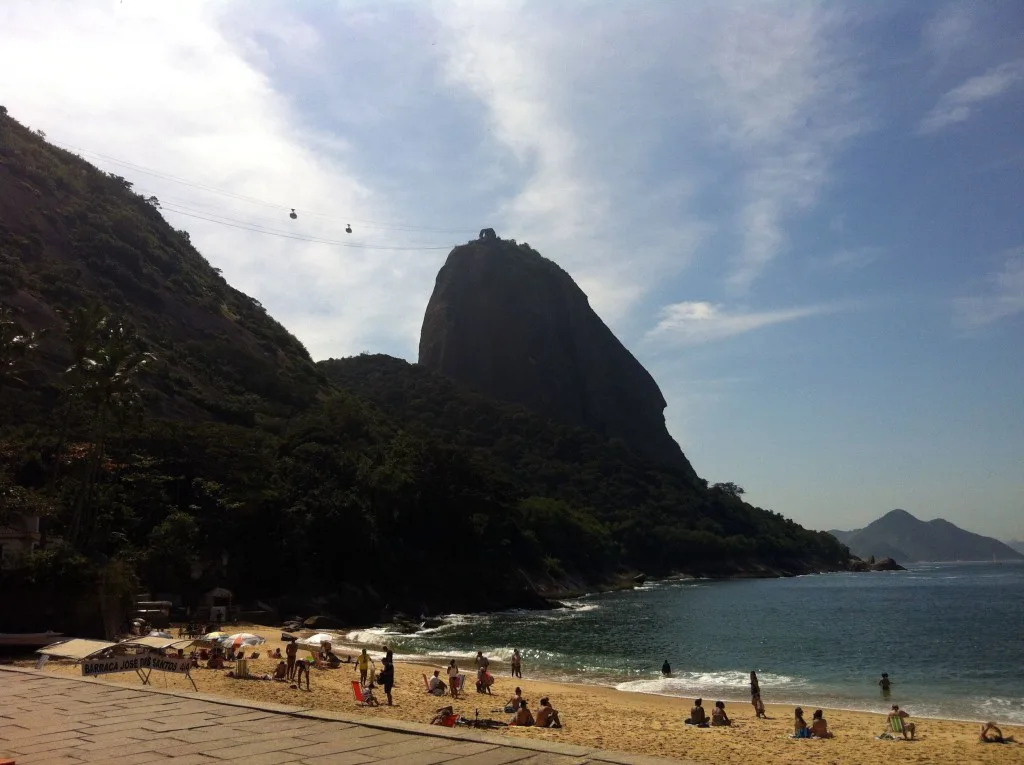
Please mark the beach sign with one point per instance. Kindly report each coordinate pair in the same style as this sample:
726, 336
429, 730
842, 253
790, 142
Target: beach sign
136, 663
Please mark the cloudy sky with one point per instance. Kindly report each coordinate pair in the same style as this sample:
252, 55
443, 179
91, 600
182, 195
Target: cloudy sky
805, 218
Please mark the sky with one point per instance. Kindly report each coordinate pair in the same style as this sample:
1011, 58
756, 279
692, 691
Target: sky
804, 218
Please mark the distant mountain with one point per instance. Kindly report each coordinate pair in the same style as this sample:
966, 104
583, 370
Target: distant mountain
1016, 544
900, 535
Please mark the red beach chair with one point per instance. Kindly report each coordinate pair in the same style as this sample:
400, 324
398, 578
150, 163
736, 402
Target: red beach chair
364, 698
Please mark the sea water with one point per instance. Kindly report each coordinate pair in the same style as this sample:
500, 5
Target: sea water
951, 637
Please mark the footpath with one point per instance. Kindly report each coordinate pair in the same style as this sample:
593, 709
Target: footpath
50, 720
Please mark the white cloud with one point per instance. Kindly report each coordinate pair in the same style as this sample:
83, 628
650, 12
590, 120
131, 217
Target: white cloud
690, 323
1002, 298
785, 99
956, 105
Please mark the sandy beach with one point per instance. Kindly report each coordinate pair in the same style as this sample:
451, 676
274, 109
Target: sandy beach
611, 719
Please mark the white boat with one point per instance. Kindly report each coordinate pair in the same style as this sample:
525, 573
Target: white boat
28, 639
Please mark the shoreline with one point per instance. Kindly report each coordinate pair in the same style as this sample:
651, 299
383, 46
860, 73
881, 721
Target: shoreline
605, 717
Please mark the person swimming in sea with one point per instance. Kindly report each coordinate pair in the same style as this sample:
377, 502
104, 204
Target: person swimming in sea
885, 684
666, 670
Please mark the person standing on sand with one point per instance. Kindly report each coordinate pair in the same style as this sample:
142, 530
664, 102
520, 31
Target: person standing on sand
517, 664
302, 668
755, 697
291, 651
363, 662
387, 679
453, 674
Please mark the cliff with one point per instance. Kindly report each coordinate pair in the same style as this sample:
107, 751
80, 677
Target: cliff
511, 324
900, 535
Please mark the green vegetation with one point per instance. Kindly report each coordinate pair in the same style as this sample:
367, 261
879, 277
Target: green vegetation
173, 436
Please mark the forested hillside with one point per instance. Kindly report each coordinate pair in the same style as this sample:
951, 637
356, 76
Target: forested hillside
172, 437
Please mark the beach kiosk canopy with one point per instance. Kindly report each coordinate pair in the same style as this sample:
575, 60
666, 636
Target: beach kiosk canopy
76, 649
101, 657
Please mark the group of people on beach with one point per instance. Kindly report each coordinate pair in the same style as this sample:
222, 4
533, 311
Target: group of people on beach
546, 717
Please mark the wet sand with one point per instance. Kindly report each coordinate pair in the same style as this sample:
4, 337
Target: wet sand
607, 718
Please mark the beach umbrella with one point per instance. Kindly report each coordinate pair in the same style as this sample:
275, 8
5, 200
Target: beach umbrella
214, 636
159, 633
243, 638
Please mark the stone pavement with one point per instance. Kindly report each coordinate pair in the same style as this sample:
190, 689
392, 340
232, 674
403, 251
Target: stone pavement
56, 720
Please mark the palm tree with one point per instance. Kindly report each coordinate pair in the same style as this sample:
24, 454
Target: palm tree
108, 360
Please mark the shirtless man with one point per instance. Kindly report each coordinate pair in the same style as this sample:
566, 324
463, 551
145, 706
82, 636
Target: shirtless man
513, 704
547, 716
523, 717
697, 715
291, 651
908, 727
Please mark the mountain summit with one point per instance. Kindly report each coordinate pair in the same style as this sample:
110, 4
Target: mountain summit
900, 535
509, 323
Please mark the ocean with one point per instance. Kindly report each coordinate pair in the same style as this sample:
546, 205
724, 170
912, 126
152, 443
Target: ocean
950, 635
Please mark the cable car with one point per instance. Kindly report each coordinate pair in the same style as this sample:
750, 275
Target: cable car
293, 214
348, 228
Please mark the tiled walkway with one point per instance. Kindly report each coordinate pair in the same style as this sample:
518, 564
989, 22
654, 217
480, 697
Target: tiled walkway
49, 720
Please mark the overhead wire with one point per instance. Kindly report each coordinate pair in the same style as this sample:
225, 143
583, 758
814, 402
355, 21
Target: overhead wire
257, 229
253, 200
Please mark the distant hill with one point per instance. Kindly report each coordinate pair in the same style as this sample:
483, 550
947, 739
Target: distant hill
900, 535
1016, 544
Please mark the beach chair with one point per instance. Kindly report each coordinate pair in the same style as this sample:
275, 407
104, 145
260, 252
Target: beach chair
364, 696
458, 684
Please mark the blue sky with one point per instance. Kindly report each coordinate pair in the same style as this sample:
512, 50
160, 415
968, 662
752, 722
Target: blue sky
804, 218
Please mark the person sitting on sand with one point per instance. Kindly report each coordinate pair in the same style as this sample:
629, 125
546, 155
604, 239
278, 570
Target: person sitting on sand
990, 734
275, 654
697, 716
908, 727
718, 715
547, 715
819, 726
666, 669
513, 704
435, 685
800, 729
523, 717
281, 673
216, 662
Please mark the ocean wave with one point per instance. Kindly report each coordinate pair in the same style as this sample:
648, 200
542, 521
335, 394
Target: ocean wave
690, 683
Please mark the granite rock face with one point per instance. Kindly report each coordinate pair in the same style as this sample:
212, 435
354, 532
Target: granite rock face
509, 323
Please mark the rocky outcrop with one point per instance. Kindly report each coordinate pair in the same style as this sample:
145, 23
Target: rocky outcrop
512, 325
